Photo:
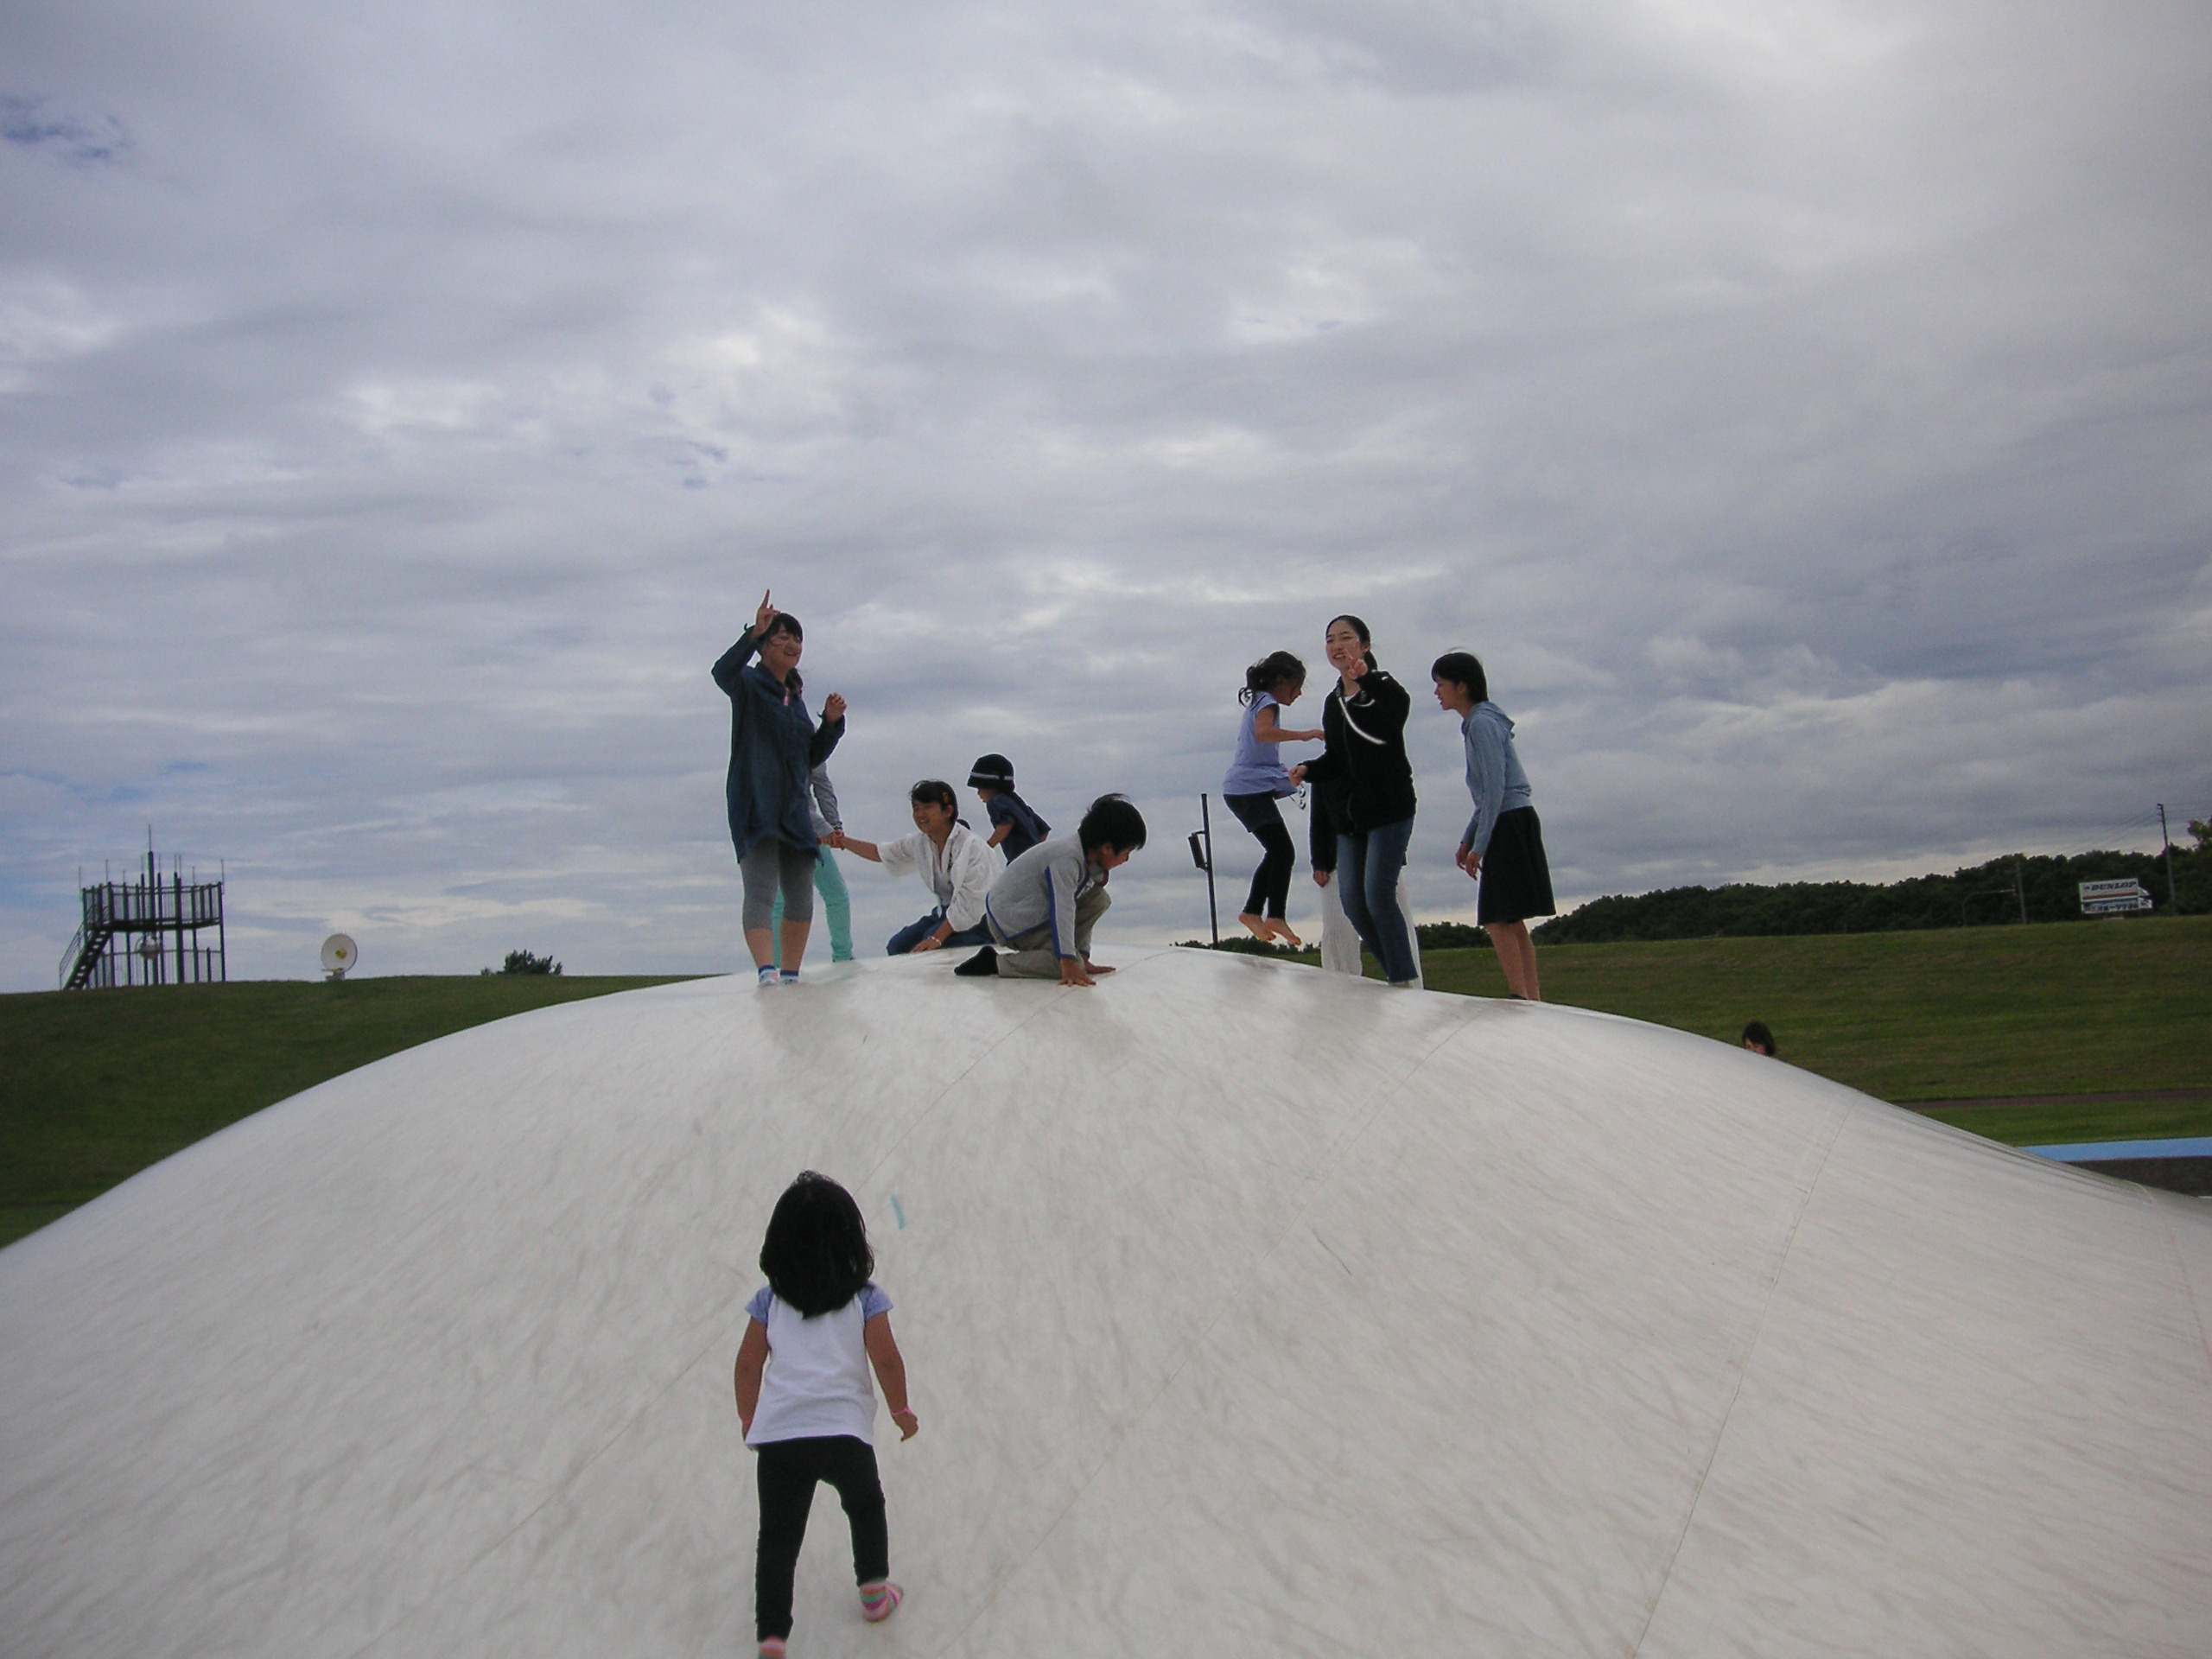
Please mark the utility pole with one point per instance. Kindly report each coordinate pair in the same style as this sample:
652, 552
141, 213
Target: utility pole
2172, 904
2020, 887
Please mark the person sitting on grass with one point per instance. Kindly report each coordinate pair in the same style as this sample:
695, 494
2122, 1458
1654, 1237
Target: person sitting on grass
1044, 906
953, 861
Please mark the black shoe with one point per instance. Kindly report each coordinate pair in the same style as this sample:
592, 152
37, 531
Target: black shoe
984, 962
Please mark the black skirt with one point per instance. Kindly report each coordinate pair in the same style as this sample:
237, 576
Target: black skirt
1517, 881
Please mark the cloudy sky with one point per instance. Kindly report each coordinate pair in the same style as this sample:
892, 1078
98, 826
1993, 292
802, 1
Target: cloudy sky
1804, 409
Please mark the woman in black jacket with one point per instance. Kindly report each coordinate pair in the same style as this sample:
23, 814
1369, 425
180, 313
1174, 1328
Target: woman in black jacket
1370, 784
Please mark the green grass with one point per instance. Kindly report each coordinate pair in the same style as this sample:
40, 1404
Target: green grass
1973, 1013
2061, 1126
96, 1085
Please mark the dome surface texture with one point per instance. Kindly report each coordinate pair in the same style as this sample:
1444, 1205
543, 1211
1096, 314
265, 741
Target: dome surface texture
1248, 1310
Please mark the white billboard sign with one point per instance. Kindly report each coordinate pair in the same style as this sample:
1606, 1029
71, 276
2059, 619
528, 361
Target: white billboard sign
2114, 898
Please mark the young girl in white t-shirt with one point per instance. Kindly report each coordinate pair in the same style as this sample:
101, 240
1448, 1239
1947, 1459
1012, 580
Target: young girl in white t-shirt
818, 1326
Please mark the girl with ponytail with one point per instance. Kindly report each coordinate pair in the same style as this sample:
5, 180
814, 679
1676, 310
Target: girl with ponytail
1257, 780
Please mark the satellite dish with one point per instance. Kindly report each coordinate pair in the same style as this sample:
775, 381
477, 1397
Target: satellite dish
339, 953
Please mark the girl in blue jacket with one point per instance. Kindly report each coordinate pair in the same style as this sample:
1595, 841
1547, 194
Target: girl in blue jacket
1504, 844
773, 746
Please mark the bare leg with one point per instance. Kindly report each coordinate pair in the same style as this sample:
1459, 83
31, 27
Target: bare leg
1517, 955
762, 944
794, 944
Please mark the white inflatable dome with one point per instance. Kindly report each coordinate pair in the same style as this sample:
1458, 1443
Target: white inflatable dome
1249, 1311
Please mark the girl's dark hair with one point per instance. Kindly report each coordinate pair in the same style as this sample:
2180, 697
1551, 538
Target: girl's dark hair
1757, 1032
936, 793
1113, 821
1270, 672
816, 1254
1357, 627
1462, 668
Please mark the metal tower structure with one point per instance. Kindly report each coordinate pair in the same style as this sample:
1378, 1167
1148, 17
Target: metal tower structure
147, 931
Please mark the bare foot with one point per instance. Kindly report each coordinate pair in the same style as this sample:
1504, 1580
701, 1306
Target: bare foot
1282, 931
1255, 926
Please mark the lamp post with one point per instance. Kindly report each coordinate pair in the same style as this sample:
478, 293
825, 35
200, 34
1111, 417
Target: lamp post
1202, 855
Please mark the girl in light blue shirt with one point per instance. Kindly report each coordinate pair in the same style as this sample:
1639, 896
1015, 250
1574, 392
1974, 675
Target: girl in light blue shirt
1503, 846
1257, 780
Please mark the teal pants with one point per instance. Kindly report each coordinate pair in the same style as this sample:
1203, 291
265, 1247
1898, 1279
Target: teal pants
836, 903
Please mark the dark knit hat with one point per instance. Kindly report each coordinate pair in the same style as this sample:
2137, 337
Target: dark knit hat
992, 772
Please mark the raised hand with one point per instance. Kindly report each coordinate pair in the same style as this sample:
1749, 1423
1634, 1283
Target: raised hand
764, 616
833, 708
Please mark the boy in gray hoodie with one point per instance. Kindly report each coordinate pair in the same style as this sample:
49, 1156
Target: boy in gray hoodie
1045, 903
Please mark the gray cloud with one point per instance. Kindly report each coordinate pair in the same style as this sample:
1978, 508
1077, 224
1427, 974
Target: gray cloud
1804, 414
75, 139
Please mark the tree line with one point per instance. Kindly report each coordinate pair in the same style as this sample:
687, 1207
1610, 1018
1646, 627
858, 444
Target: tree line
1978, 895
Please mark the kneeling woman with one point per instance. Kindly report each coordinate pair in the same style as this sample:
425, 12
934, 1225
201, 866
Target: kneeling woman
954, 862
1364, 720
773, 746
1504, 844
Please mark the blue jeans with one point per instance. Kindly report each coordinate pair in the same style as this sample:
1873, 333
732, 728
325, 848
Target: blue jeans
914, 933
1367, 879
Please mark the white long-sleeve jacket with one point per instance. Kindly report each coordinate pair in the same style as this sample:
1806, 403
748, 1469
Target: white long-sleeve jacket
960, 875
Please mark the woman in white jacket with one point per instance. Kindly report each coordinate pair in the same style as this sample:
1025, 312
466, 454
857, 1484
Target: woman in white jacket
955, 864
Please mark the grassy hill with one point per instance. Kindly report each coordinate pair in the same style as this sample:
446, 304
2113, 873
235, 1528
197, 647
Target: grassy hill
1967, 1012
2122, 1008
95, 1085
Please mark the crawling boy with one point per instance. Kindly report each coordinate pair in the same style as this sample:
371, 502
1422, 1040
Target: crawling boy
1044, 905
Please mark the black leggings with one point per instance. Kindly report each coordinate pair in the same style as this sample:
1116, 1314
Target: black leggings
788, 1470
1271, 881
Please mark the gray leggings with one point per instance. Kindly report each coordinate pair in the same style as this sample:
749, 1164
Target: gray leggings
771, 864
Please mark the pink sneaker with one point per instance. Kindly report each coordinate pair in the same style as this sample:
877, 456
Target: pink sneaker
880, 1601
772, 1647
